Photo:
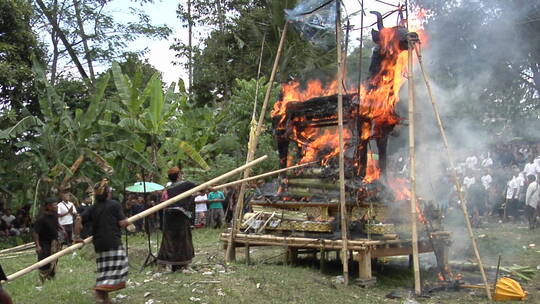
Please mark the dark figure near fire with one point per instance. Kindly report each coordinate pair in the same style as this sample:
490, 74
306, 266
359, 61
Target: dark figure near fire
177, 244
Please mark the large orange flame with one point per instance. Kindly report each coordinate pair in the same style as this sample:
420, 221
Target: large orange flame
372, 169
378, 102
327, 143
400, 188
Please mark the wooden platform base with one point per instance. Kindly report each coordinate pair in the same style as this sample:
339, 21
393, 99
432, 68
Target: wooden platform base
363, 250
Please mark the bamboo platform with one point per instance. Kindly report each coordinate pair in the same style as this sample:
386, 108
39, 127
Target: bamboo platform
363, 250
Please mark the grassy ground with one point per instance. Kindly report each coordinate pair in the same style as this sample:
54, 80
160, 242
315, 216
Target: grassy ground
267, 280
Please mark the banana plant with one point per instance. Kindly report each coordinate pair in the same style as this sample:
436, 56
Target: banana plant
152, 114
59, 143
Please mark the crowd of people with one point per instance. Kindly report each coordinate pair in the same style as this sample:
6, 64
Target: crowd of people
63, 222
17, 223
209, 209
499, 182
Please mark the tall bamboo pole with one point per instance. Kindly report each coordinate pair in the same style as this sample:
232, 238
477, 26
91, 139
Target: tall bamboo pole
135, 218
261, 176
455, 178
190, 49
360, 54
254, 112
412, 171
343, 205
230, 255
34, 207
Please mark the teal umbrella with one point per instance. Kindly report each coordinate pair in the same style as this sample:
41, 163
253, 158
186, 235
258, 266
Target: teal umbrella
142, 187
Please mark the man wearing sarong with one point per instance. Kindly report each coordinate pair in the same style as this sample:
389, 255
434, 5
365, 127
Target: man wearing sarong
106, 218
45, 235
177, 246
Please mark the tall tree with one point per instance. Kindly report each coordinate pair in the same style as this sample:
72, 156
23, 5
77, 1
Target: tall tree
18, 97
62, 141
232, 49
18, 45
90, 34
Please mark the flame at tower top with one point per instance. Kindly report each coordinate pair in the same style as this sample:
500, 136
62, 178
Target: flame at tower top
307, 115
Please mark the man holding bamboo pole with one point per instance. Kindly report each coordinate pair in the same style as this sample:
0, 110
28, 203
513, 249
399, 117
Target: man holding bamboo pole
107, 218
136, 217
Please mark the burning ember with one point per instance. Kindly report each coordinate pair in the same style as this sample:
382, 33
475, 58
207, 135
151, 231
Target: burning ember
400, 188
372, 170
327, 142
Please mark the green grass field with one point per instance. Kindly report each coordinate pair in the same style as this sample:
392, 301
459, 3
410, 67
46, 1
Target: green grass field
267, 280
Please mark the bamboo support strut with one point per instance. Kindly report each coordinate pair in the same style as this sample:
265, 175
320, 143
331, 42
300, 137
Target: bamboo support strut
299, 242
134, 218
343, 203
18, 248
327, 242
252, 148
261, 176
412, 172
454, 174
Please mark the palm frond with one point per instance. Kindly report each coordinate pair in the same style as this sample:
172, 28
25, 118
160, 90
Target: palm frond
194, 155
23, 125
122, 84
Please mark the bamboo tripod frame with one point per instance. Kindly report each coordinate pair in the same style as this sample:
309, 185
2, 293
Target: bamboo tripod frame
343, 206
261, 176
136, 217
230, 255
412, 171
454, 173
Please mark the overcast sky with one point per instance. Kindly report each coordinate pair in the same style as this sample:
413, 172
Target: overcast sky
164, 12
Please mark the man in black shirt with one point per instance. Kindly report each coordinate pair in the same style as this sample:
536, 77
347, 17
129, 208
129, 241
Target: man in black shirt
45, 235
106, 218
177, 245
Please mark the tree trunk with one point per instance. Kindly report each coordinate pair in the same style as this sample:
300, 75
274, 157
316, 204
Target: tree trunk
190, 46
56, 28
220, 16
74, 167
54, 41
221, 23
84, 38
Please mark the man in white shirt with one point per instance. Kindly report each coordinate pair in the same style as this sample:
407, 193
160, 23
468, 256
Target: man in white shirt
201, 209
530, 168
487, 162
8, 218
537, 164
471, 162
512, 194
469, 179
66, 215
488, 192
486, 180
532, 198
522, 182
